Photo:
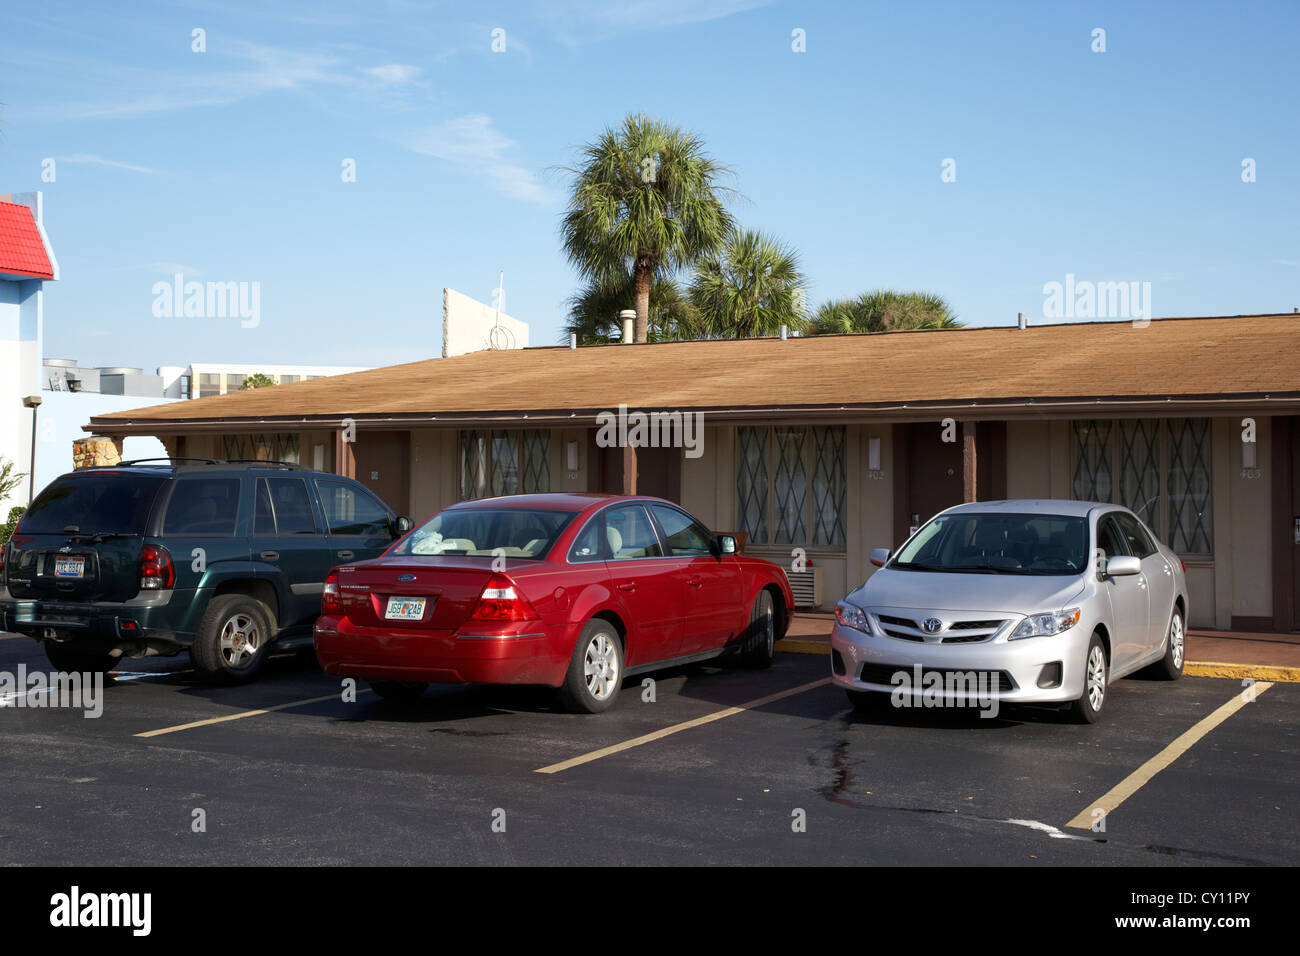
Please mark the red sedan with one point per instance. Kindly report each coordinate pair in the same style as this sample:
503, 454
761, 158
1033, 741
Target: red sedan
569, 591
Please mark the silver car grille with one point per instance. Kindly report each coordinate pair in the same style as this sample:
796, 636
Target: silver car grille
949, 632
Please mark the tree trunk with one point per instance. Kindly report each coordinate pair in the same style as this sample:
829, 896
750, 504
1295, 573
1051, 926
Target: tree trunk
642, 325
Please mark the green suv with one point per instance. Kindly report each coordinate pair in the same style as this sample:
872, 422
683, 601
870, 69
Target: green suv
223, 558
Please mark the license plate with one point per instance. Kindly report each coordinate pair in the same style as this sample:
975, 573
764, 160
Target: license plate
69, 567
404, 609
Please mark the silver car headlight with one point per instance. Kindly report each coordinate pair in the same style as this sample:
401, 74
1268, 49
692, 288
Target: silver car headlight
1038, 625
849, 615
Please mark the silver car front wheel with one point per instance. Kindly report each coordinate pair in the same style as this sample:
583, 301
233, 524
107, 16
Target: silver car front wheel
1087, 709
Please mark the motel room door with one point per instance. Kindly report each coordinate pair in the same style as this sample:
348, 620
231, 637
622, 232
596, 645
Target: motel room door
658, 471
932, 471
384, 467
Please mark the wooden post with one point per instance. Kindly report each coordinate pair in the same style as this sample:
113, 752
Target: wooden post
968, 484
629, 469
345, 463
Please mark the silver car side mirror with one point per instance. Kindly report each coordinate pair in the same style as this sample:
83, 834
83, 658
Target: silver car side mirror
1123, 565
879, 556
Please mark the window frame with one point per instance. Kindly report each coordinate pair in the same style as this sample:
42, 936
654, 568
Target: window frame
809, 462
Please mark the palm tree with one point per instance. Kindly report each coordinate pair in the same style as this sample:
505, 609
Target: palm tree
594, 312
884, 310
752, 287
646, 202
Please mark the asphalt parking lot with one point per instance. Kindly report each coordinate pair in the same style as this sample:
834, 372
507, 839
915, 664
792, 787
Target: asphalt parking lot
722, 767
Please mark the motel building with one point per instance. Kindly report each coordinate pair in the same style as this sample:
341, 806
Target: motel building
825, 447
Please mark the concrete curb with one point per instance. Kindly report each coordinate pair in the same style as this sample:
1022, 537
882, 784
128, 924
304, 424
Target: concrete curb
1286, 675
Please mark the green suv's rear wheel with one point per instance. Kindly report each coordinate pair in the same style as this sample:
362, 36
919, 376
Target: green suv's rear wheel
233, 638
76, 658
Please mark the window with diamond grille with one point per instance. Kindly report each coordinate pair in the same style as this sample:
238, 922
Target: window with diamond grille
281, 446
1139, 468
1161, 470
751, 482
790, 485
504, 462
790, 488
1092, 472
1191, 528
829, 487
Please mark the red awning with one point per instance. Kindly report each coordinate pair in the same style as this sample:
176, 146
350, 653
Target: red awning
21, 250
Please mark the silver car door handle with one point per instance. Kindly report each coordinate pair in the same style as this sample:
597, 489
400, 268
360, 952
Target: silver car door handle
345, 555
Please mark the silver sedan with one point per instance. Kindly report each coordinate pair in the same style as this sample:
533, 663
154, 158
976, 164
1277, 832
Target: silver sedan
1013, 601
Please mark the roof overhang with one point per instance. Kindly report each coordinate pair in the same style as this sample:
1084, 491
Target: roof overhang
997, 410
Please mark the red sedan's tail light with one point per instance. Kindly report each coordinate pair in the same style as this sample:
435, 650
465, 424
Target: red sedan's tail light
501, 601
330, 602
156, 571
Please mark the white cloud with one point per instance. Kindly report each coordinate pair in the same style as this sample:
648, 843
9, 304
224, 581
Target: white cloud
472, 143
393, 74
633, 15
90, 159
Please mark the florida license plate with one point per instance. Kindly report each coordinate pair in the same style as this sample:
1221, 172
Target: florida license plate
405, 609
69, 567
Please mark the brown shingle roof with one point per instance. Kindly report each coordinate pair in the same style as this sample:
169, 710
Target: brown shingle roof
1248, 356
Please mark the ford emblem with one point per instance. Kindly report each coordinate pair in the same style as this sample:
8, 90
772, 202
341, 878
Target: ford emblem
405, 577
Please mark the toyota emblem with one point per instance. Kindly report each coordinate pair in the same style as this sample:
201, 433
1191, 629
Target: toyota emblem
932, 625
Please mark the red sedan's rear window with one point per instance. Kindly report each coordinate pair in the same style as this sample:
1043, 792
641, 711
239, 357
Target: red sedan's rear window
488, 532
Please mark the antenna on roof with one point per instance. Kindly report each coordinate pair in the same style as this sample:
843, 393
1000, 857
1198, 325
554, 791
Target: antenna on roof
500, 337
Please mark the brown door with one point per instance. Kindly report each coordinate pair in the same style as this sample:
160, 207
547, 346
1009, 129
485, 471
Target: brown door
1293, 519
659, 473
384, 466
933, 480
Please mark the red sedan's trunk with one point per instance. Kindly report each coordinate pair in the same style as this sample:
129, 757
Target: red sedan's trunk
450, 587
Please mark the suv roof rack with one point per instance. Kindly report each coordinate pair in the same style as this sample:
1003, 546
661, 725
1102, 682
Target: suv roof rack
164, 462
265, 463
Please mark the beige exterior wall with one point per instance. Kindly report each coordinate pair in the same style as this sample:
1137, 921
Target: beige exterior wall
1236, 582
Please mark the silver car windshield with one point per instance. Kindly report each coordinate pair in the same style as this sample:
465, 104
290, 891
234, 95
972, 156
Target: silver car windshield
974, 543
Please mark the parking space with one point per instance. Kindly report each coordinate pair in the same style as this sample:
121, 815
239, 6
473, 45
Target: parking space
724, 764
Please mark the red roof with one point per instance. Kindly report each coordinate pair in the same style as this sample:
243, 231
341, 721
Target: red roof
21, 250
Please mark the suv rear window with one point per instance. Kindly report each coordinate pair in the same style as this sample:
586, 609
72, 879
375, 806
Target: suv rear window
93, 502
203, 506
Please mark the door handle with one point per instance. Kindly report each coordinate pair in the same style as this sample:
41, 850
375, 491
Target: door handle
628, 586
345, 555
696, 582
270, 555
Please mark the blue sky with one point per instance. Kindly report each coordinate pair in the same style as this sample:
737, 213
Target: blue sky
226, 165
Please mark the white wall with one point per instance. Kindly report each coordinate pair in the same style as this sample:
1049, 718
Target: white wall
59, 423
20, 366
467, 326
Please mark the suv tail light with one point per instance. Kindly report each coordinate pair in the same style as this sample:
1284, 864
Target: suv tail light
330, 601
501, 601
156, 571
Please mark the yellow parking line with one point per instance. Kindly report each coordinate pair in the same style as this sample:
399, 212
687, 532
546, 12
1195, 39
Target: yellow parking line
1139, 777
240, 716
678, 728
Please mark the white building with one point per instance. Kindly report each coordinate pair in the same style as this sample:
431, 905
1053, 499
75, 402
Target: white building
26, 263
214, 378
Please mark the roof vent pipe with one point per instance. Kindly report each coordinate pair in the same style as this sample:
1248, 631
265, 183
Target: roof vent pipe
1021, 321
627, 318
573, 340
784, 333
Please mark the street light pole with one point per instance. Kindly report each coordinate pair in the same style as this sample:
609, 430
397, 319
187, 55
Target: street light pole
33, 402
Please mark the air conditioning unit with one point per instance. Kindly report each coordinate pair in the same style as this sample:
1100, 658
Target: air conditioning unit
806, 585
